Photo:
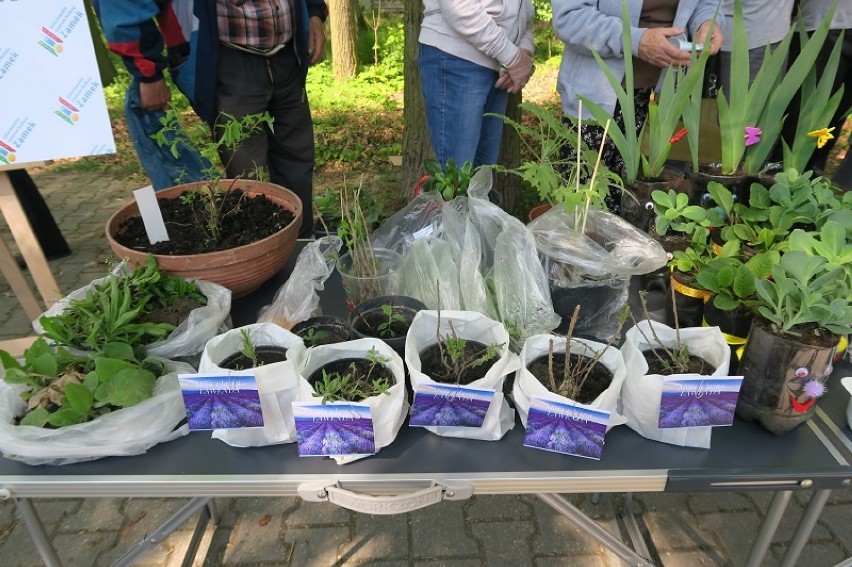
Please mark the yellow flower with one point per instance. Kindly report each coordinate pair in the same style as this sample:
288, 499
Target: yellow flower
822, 135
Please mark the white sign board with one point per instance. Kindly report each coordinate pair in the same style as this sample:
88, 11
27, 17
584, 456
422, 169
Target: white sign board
51, 99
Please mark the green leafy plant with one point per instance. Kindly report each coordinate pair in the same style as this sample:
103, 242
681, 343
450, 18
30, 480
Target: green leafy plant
802, 291
114, 310
731, 279
354, 230
63, 389
454, 356
340, 386
247, 347
314, 337
386, 327
764, 103
228, 137
833, 242
675, 213
450, 181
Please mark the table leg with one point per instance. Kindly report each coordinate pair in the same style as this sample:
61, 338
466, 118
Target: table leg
37, 533
594, 530
767, 530
805, 527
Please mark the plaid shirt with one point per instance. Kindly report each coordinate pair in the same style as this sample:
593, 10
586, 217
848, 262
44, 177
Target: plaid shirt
257, 24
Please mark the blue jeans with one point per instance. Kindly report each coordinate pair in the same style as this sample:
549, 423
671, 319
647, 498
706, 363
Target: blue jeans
458, 93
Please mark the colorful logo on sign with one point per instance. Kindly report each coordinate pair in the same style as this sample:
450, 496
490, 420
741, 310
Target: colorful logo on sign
7, 153
67, 111
51, 42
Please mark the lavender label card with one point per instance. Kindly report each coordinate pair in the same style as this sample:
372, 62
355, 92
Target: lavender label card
698, 401
561, 426
221, 402
449, 405
334, 429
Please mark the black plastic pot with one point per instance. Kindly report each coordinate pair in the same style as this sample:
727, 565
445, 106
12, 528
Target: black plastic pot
638, 210
688, 301
265, 354
368, 315
337, 330
593, 300
735, 325
777, 372
738, 184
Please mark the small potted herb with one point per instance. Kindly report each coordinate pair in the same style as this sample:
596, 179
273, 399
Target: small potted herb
387, 318
270, 353
323, 330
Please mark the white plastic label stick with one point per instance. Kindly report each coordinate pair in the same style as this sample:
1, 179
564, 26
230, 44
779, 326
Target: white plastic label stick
151, 215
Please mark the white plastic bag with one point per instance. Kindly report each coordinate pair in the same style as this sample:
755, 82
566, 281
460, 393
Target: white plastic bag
124, 432
388, 410
297, 300
278, 383
642, 392
188, 338
468, 325
526, 385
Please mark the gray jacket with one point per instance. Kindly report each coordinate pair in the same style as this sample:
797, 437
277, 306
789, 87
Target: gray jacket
586, 25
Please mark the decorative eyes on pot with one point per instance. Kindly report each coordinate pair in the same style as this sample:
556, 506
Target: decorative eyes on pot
649, 206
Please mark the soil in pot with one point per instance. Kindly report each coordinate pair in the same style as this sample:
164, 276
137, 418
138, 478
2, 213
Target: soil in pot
172, 314
251, 219
695, 365
372, 319
264, 354
360, 371
322, 330
433, 365
598, 379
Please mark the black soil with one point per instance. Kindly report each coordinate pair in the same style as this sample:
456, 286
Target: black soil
432, 365
598, 380
264, 354
359, 368
249, 219
368, 323
696, 365
315, 333
173, 314
809, 334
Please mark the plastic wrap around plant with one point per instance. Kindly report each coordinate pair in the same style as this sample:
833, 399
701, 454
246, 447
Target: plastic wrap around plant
297, 299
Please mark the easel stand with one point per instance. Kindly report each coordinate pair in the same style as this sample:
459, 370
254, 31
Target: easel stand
24, 237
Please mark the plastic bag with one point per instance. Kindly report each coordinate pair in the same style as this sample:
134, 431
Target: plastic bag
593, 269
297, 300
417, 220
388, 410
188, 338
429, 269
124, 432
527, 385
278, 383
468, 325
642, 392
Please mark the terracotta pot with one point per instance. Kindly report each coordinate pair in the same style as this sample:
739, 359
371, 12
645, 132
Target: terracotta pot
536, 212
242, 269
781, 379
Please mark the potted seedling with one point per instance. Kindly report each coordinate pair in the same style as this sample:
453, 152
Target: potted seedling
570, 368
60, 408
323, 330
461, 348
387, 318
449, 181
268, 352
653, 351
365, 371
801, 312
208, 220
144, 306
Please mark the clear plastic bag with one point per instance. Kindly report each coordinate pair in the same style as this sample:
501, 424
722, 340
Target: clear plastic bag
297, 299
419, 219
593, 268
124, 432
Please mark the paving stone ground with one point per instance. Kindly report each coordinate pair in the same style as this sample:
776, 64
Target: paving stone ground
683, 530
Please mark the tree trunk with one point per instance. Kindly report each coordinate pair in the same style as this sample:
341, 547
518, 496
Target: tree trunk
344, 39
507, 184
416, 145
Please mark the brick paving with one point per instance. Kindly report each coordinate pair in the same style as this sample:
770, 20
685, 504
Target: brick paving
683, 530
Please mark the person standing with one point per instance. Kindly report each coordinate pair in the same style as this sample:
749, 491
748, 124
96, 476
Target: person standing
473, 53
245, 57
585, 26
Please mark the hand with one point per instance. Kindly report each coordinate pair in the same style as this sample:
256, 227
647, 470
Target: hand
654, 47
154, 96
715, 40
519, 70
316, 40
